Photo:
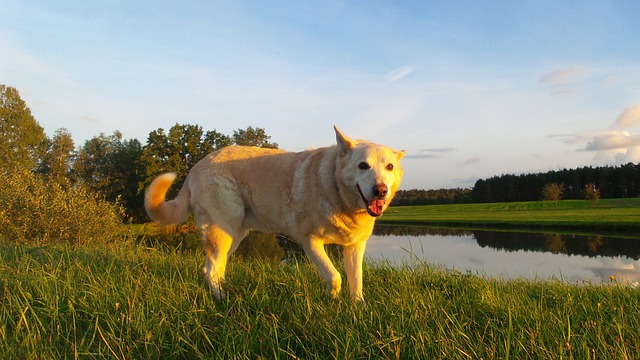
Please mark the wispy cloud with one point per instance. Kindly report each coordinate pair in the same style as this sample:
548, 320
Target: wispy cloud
471, 161
422, 156
90, 118
572, 139
563, 76
432, 153
438, 150
564, 81
398, 73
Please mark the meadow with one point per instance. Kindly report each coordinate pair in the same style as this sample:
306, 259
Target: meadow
608, 215
126, 299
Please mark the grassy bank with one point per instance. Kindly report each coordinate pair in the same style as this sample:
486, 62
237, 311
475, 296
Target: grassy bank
134, 302
607, 215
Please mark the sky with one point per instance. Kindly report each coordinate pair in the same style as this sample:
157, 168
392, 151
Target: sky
470, 89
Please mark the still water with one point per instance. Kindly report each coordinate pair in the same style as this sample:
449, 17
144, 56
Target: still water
509, 255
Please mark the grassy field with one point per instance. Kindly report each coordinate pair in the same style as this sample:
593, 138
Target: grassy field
127, 301
607, 215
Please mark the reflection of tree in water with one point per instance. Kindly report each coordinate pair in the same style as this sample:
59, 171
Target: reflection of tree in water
594, 243
279, 246
582, 245
555, 243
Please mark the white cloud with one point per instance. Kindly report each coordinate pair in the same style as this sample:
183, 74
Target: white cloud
616, 146
615, 139
629, 117
633, 155
620, 146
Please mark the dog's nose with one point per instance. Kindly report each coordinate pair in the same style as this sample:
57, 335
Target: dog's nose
380, 190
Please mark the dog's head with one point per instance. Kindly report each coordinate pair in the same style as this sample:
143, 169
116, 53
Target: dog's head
371, 173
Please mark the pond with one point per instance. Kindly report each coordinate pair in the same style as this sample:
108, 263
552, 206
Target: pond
510, 255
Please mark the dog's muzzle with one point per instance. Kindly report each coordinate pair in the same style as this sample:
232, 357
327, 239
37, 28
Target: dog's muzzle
375, 206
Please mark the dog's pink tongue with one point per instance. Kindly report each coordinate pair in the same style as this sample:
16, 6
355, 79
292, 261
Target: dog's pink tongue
376, 206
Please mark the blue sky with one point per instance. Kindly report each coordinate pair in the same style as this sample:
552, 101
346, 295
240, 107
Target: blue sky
470, 89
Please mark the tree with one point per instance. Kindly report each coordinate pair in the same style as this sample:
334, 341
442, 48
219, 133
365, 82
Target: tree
177, 151
93, 163
56, 163
253, 137
591, 193
128, 173
552, 192
23, 142
112, 166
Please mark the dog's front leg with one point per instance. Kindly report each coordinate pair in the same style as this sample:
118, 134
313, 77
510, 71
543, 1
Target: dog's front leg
317, 254
353, 259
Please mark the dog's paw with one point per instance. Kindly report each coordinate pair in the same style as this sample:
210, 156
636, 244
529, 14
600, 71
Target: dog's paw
220, 295
333, 287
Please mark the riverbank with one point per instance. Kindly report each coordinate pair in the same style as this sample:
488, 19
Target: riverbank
127, 301
608, 215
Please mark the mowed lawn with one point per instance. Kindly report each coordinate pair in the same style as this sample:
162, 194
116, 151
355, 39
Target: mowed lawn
607, 214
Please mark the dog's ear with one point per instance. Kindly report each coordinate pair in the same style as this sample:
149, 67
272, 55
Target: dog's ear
400, 154
345, 144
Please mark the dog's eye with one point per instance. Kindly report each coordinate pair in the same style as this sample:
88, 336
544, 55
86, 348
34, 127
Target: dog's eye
364, 166
389, 167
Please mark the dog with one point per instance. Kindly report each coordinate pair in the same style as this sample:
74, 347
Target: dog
329, 195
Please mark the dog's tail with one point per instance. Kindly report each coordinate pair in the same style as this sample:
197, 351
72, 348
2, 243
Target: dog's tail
166, 212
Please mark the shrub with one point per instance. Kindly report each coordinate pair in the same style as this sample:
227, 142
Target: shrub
35, 211
187, 237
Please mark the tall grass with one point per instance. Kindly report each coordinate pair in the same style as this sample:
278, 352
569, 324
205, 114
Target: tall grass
128, 301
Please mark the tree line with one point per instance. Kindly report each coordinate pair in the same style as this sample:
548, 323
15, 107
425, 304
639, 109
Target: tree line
119, 169
581, 183
590, 183
432, 197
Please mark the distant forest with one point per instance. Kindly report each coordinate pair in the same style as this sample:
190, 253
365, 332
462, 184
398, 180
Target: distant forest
612, 182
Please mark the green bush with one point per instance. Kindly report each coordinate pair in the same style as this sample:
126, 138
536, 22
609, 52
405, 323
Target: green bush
187, 237
35, 211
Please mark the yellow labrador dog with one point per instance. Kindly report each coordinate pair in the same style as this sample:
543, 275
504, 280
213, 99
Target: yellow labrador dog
329, 195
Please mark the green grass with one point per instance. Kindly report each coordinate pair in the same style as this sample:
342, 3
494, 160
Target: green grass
607, 215
128, 301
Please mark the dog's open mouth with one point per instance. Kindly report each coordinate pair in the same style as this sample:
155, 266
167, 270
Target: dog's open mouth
374, 207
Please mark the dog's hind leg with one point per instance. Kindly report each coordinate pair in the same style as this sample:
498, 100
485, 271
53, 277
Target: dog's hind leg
317, 254
218, 244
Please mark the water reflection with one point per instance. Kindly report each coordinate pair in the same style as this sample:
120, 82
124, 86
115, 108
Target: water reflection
573, 258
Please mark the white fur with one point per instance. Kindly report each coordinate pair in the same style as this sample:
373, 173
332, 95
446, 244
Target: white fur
311, 196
